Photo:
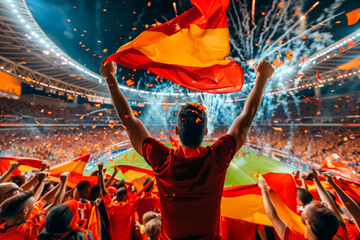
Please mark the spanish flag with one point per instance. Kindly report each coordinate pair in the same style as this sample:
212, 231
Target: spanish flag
190, 50
136, 175
26, 164
246, 202
76, 169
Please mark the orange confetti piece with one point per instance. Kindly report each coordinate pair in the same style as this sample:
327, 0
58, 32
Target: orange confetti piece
300, 75
341, 48
277, 129
319, 37
129, 82
268, 42
263, 13
127, 116
105, 50
68, 20
311, 99
246, 34
134, 156
149, 4
135, 112
155, 96
256, 44
296, 12
282, 41
134, 29
350, 43
201, 107
303, 59
280, 4
198, 120
318, 77
337, 22
279, 53
322, 24
93, 127
164, 100
353, 16
40, 124
165, 107
277, 63
303, 36
125, 157
111, 160
104, 10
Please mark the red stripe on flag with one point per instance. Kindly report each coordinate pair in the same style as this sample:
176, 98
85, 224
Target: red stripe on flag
205, 79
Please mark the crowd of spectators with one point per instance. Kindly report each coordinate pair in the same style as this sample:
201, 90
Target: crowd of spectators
60, 144
311, 143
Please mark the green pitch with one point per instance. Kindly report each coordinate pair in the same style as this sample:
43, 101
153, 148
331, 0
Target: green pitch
242, 170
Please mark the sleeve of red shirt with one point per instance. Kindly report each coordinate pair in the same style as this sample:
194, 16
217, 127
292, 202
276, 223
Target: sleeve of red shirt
291, 235
33, 226
154, 153
225, 149
107, 200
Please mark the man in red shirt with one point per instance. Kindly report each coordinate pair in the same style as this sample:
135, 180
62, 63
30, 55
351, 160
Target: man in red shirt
191, 179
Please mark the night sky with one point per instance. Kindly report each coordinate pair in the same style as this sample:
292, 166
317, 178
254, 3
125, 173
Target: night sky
89, 30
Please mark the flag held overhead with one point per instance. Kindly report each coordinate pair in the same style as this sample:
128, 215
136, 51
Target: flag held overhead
201, 62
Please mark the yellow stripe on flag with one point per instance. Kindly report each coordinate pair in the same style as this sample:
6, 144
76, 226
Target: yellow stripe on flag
250, 208
193, 47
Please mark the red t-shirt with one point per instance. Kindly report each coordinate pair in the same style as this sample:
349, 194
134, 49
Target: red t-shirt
147, 202
26, 231
120, 218
85, 209
352, 230
190, 183
292, 235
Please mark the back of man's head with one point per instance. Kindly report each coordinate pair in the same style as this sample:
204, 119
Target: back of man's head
13, 206
324, 223
83, 189
95, 192
150, 187
304, 196
121, 194
192, 124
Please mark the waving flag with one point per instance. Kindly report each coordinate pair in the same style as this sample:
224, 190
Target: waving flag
76, 169
26, 164
136, 175
246, 202
189, 50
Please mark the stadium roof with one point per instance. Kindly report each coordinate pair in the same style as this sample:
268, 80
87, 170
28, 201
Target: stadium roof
27, 52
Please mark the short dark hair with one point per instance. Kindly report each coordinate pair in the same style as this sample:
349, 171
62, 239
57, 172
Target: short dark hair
304, 196
324, 223
18, 180
121, 194
10, 207
95, 191
150, 187
192, 123
82, 186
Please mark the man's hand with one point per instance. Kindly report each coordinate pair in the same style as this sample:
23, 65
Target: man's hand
329, 178
263, 185
44, 165
14, 166
101, 167
64, 177
314, 174
264, 69
42, 176
108, 69
303, 176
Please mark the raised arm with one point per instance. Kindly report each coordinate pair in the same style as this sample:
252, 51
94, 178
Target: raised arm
39, 187
135, 129
242, 123
59, 197
34, 177
349, 203
303, 181
100, 173
278, 223
324, 195
111, 179
12, 168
